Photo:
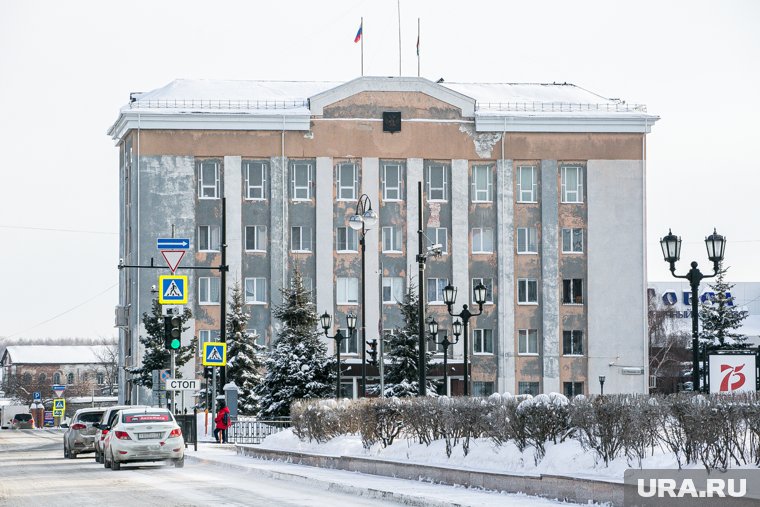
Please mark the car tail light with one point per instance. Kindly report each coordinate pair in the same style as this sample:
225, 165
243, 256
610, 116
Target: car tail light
78, 426
176, 432
121, 435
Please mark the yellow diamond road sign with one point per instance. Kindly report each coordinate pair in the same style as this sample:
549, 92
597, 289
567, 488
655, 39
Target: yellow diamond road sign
214, 354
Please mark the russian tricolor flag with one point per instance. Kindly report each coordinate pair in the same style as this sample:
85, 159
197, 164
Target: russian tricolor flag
359, 33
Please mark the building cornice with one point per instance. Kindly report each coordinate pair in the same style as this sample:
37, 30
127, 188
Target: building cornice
562, 123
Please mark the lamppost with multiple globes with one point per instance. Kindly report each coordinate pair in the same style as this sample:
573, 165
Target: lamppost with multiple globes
363, 220
433, 328
326, 321
671, 250
450, 297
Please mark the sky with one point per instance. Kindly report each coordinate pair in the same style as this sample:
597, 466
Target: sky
67, 67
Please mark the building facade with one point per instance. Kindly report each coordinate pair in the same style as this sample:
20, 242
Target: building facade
535, 190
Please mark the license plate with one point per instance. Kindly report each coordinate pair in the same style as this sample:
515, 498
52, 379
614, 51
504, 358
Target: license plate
149, 436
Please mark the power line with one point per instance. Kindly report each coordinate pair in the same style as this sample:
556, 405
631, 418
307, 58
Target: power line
19, 227
63, 313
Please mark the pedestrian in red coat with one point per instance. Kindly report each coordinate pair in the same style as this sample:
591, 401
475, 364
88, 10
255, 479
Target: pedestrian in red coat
222, 421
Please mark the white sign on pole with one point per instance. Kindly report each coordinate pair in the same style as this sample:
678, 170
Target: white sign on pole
181, 384
732, 373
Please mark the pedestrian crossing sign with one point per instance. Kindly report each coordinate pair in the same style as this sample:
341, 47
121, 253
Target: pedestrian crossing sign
172, 289
214, 354
59, 406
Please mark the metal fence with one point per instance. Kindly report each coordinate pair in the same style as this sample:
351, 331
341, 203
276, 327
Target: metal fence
562, 107
252, 431
216, 104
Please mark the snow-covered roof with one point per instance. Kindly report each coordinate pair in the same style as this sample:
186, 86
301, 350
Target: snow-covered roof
54, 354
287, 105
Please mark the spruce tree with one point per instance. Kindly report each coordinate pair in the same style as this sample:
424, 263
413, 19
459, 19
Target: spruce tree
244, 355
720, 318
155, 356
298, 366
402, 372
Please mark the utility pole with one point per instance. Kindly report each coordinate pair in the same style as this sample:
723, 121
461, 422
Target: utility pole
421, 265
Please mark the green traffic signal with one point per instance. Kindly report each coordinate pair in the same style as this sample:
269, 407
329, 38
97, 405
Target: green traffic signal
176, 333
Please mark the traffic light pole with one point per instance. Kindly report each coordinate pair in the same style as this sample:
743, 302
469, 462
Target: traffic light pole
174, 394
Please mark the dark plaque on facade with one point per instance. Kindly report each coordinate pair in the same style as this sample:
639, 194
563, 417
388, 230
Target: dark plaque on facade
391, 121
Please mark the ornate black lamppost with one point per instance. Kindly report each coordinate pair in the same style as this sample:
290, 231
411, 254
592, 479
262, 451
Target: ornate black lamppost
326, 320
450, 297
364, 219
671, 250
433, 328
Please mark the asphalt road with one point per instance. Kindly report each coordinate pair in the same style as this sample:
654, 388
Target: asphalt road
33, 472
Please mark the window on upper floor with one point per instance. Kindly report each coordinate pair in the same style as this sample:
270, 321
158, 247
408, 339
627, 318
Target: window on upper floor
393, 289
488, 284
208, 290
391, 239
572, 240
527, 341
482, 183
572, 291
208, 180
346, 240
572, 343
527, 291
392, 181
208, 238
300, 239
349, 343
435, 288
482, 240
437, 182
301, 178
256, 238
439, 235
256, 179
347, 290
255, 290
527, 240
572, 184
348, 181
527, 178
482, 341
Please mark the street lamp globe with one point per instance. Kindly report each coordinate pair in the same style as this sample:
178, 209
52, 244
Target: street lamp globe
716, 246
370, 218
433, 327
325, 320
457, 328
480, 294
449, 294
351, 321
356, 222
671, 247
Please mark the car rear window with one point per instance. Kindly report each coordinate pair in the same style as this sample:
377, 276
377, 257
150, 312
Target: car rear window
23, 417
147, 417
90, 417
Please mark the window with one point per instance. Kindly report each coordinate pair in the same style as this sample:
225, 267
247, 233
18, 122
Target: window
437, 182
527, 291
482, 389
100, 378
308, 283
488, 283
572, 389
527, 341
572, 184
482, 341
70, 378
256, 179
435, 289
572, 291
56, 378
347, 181
42, 377
482, 184
572, 343
208, 238
438, 235
572, 240
28, 378
391, 181
207, 335
208, 290
527, 388
208, 180
300, 239
391, 239
256, 238
301, 180
526, 240
526, 184
85, 377
255, 291
347, 240
348, 290
393, 289
434, 345
482, 240
349, 343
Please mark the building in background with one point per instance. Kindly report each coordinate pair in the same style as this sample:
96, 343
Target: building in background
535, 190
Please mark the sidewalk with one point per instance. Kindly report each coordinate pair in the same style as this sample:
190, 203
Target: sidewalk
403, 491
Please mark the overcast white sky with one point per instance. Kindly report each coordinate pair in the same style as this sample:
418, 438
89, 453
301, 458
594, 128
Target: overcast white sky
67, 67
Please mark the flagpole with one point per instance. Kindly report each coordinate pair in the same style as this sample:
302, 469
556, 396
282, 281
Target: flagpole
418, 47
398, 3
361, 41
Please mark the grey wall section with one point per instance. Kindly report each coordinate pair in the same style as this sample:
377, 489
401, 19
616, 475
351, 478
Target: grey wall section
505, 380
616, 297
278, 223
549, 292
370, 182
233, 191
413, 176
460, 240
324, 282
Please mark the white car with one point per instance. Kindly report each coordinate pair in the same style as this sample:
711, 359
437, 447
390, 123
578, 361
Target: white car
143, 434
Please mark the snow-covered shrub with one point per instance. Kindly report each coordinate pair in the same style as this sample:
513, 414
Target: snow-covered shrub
600, 425
544, 417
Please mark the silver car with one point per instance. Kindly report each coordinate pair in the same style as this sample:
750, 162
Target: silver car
80, 435
108, 415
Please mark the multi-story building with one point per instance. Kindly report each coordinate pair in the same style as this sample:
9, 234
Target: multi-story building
535, 190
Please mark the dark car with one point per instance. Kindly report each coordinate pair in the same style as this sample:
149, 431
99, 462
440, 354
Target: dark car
22, 422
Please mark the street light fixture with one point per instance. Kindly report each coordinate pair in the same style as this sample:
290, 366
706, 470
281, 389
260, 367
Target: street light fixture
602, 378
363, 220
450, 297
433, 328
326, 320
671, 251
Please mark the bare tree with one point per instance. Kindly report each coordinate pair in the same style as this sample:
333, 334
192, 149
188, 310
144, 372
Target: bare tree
107, 353
667, 347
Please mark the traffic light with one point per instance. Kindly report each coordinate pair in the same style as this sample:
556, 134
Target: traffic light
208, 372
372, 351
172, 332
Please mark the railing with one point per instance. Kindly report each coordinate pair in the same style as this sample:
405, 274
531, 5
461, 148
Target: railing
251, 431
216, 104
562, 107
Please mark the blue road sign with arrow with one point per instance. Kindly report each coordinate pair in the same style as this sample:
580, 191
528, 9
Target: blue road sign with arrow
173, 243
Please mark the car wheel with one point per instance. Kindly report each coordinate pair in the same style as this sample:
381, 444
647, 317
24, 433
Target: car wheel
179, 463
72, 455
115, 465
106, 463
65, 452
97, 457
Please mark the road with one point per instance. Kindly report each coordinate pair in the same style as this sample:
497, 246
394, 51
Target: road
33, 472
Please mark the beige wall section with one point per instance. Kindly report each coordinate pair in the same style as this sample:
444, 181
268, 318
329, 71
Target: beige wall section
365, 138
411, 105
370, 182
